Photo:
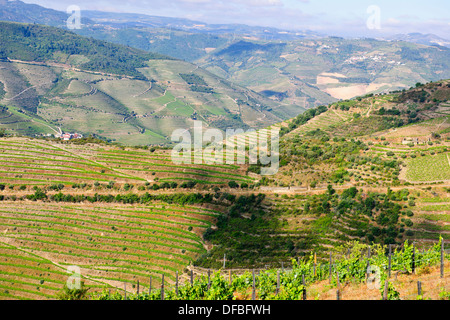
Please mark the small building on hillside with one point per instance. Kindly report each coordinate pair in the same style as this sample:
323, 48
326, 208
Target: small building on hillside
407, 141
70, 136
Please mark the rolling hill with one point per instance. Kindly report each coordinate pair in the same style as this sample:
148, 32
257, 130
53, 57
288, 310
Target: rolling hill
354, 172
293, 68
116, 92
350, 171
321, 71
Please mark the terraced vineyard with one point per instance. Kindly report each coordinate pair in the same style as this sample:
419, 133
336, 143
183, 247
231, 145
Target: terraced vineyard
328, 120
112, 244
31, 162
161, 166
431, 218
27, 276
36, 162
139, 101
429, 168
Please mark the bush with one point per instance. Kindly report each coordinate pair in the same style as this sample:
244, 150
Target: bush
74, 294
56, 187
127, 186
233, 184
188, 184
408, 223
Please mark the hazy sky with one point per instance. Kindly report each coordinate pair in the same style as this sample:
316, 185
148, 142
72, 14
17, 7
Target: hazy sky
333, 17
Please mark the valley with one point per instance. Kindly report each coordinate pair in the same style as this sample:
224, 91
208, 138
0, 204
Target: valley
125, 214
92, 186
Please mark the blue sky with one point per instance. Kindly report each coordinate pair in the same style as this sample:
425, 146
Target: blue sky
332, 17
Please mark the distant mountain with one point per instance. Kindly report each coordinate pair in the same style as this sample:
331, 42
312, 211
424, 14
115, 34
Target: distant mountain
131, 20
320, 71
425, 39
290, 68
18, 11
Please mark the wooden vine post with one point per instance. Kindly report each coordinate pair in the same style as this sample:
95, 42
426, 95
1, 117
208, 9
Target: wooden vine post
253, 286
442, 257
162, 287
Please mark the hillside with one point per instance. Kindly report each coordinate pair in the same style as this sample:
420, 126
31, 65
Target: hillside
116, 92
321, 71
374, 129
294, 69
19, 11
349, 172
352, 170
122, 215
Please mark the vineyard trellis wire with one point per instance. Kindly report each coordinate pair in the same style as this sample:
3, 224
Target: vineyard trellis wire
361, 264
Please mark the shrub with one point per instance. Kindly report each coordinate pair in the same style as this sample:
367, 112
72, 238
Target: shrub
188, 184
127, 186
408, 223
233, 184
74, 294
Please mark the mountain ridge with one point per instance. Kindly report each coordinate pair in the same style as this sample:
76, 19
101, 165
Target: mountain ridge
49, 71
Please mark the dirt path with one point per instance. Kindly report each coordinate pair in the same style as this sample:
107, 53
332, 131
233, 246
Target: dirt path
80, 156
343, 119
142, 93
84, 272
370, 109
440, 125
23, 91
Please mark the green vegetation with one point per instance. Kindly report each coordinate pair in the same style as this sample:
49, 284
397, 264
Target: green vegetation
275, 285
354, 173
17, 39
429, 168
113, 92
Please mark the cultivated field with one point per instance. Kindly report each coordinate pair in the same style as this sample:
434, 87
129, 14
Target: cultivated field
34, 162
429, 168
112, 244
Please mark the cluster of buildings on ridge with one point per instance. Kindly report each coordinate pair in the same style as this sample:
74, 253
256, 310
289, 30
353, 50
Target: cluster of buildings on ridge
69, 136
